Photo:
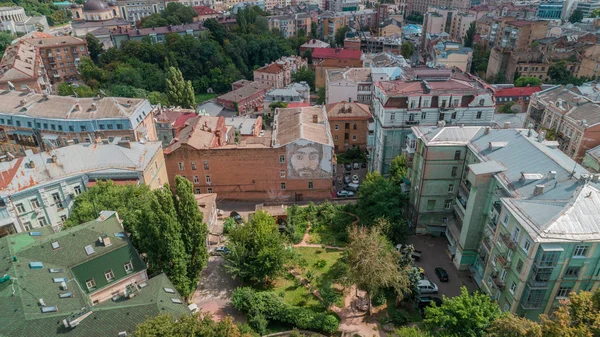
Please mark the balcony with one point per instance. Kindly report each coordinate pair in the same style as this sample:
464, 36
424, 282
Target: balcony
412, 122
533, 283
498, 282
531, 304
508, 241
462, 197
486, 245
503, 261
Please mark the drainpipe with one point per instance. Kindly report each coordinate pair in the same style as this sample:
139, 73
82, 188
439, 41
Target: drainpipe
421, 185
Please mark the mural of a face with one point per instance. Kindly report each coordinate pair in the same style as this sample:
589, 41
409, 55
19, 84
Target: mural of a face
305, 161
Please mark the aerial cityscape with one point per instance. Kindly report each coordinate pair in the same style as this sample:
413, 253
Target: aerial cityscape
296, 168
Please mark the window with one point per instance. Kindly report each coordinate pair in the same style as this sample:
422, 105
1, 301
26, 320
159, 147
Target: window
77, 190
457, 155
354, 126
196, 180
310, 185
45, 125
35, 203
423, 115
90, 284
353, 137
109, 126
430, 205
337, 127
453, 116
209, 190
526, 245
519, 266
208, 181
20, 208
42, 221
281, 174
282, 159
128, 267
193, 164
478, 116
83, 128
27, 226
392, 116
335, 137
110, 276
513, 287
482, 102
454, 171
180, 166
572, 271
505, 219
71, 128
101, 126
580, 251
56, 199
442, 116
119, 126
197, 191
205, 163
563, 292
447, 204
282, 185
451, 188
63, 218
515, 234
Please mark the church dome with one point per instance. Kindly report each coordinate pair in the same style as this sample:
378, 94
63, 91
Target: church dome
95, 5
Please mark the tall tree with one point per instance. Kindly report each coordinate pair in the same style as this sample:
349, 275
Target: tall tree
464, 315
179, 92
193, 230
304, 75
340, 36
94, 46
595, 13
468, 38
165, 325
509, 325
577, 316
321, 95
398, 169
576, 16
407, 50
313, 30
373, 262
257, 253
524, 81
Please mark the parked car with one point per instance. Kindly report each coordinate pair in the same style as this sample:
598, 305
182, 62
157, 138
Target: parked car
363, 165
237, 217
345, 194
222, 250
356, 165
261, 133
426, 301
351, 187
348, 167
427, 287
347, 179
355, 179
416, 254
441, 274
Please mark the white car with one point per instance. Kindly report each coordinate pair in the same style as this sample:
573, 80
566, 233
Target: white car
347, 179
355, 179
356, 165
427, 287
261, 133
345, 194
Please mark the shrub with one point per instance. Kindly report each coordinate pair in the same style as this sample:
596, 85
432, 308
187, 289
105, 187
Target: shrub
400, 317
378, 299
228, 225
321, 264
264, 306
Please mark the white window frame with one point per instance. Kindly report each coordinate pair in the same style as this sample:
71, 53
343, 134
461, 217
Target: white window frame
128, 266
282, 174
282, 159
35, 203
451, 188
580, 249
20, 208
42, 221
513, 287
196, 180
194, 167
505, 219
90, 284
310, 185
282, 186
526, 245
563, 292
208, 180
181, 166
109, 275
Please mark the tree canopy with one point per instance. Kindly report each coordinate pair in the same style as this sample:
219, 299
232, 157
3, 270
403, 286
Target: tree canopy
340, 36
174, 14
179, 92
407, 50
196, 325
576, 16
398, 169
524, 81
468, 39
306, 75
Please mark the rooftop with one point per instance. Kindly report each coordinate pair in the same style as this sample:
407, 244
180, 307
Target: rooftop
314, 43
66, 107
55, 41
158, 30
205, 10
19, 174
517, 91
347, 110
272, 68
20, 62
308, 123
244, 92
574, 106
333, 53
246, 125
64, 255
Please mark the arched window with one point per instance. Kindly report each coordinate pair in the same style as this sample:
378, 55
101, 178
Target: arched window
482, 102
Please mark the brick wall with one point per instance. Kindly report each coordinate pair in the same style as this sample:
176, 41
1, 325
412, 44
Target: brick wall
341, 144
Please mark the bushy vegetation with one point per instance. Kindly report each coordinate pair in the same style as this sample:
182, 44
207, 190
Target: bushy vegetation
262, 307
54, 15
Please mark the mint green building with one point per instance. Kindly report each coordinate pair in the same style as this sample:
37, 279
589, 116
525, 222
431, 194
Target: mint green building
518, 213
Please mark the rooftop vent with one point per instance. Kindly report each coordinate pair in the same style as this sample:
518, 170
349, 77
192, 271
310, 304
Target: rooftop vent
551, 175
486, 131
89, 250
169, 290
539, 189
104, 240
315, 118
497, 145
55, 245
525, 177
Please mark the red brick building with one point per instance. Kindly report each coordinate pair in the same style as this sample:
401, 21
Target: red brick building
349, 124
22, 67
519, 95
321, 54
246, 97
292, 163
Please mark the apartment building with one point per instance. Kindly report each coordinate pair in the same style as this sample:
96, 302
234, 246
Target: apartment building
349, 124
451, 54
86, 280
278, 74
135, 10
322, 67
517, 95
422, 6
330, 21
42, 122
291, 163
119, 35
294, 93
427, 97
22, 69
60, 55
453, 21
39, 190
289, 25
246, 97
517, 213
356, 84
568, 117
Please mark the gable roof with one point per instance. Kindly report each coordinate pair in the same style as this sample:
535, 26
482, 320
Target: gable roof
205, 10
20, 62
345, 110
517, 91
292, 124
333, 53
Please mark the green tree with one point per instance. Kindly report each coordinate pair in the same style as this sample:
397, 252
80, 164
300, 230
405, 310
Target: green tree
321, 95
5, 40
480, 60
308, 56
65, 89
576, 16
506, 108
179, 92
407, 50
464, 315
217, 30
524, 81
313, 29
257, 253
306, 75
194, 232
595, 13
164, 325
94, 46
509, 325
468, 39
398, 169
410, 332
373, 262
577, 316
340, 36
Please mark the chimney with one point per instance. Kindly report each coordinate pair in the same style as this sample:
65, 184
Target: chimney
124, 143
54, 158
104, 240
506, 125
539, 189
486, 130
541, 136
315, 119
551, 175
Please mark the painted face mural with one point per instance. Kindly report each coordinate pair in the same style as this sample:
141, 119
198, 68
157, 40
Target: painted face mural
306, 161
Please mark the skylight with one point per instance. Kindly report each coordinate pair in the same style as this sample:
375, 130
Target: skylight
66, 295
169, 290
51, 308
89, 250
55, 245
176, 300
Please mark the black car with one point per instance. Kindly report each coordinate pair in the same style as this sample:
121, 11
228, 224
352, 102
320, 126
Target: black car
348, 167
441, 274
426, 301
237, 217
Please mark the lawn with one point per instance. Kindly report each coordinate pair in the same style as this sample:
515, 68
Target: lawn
201, 98
325, 235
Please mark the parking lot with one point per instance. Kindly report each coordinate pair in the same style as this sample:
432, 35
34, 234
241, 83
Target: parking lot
434, 255
341, 172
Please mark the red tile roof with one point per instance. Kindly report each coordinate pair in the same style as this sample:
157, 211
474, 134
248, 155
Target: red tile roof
297, 105
272, 68
204, 10
517, 91
333, 53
